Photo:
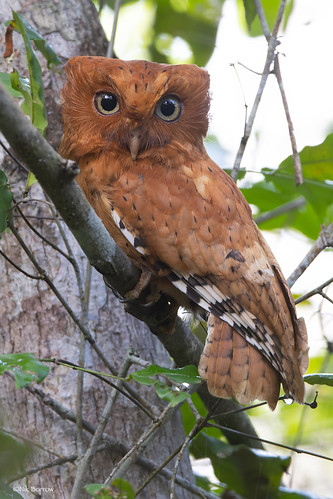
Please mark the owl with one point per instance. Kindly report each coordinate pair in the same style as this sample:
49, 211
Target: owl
136, 129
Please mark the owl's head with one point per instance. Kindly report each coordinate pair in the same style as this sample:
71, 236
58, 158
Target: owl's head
136, 107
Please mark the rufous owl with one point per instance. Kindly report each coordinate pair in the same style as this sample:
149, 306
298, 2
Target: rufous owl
136, 129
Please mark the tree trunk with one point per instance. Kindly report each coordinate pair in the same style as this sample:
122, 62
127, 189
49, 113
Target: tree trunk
34, 320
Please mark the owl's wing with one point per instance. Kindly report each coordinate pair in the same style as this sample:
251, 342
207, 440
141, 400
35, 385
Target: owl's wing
194, 223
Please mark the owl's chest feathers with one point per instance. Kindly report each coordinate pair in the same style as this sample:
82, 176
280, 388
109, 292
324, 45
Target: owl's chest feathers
166, 213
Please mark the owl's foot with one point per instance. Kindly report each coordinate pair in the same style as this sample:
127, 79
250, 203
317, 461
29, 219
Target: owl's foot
143, 282
160, 316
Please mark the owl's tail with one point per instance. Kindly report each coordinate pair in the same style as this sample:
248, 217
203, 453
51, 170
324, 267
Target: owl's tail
235, 369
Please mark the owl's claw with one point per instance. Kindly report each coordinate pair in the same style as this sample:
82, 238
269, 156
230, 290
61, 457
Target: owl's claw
142, 284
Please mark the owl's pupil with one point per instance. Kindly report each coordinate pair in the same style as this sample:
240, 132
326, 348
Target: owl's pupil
168, 107
108, 102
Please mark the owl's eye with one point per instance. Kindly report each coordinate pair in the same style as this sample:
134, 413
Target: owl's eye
169, 108
106, 103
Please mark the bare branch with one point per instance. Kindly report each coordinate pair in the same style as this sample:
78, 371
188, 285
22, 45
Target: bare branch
316, 291
277, 72
280, 210
110, 51
114, 444
324, 240
289, 447
85, 461
272, 44
296, 158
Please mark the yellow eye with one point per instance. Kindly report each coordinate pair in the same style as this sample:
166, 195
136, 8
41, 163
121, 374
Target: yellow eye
169, 108
106, 103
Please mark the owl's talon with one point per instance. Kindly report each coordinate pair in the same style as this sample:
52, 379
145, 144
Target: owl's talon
142, 284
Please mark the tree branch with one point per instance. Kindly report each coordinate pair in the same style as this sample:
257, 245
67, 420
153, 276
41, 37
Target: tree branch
324, 240
272, 44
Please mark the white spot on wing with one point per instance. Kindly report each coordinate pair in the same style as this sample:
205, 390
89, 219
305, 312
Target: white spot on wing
130, 235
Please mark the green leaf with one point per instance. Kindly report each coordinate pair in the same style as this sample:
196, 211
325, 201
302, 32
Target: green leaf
12, 455
25, 367
249, 19
250, 12
41, 44
285, 493
250, 472
172, 395
37, 111
5, 80
279, 188
6, 198
206, 484
22, 85
194, 21
100, 491
30, 181
187, 374
7, 492
319, 379
124, 486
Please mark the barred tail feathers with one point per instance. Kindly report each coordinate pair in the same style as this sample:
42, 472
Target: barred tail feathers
235, 369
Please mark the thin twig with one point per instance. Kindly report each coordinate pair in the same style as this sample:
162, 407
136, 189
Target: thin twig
324, 240
148, 435
52, 464
110, 50
262, 19
85, 461
196, 428
69, 310
43, 238
295, 204
276, 444
277, 72
21, 165
296, 158
272, 44
19, 268
147, 408
315, 291
30, 442
113, 444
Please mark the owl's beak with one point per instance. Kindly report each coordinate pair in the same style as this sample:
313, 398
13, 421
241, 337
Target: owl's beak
134, 143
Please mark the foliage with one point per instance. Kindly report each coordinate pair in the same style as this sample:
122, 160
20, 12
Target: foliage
124, 490
319, 379
278, 187
36, 108
25, 367
6, 198
13, 452
166, 391
32, 89
249, 19
8, 492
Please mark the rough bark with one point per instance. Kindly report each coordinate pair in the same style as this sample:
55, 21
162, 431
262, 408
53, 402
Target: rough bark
33, 320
